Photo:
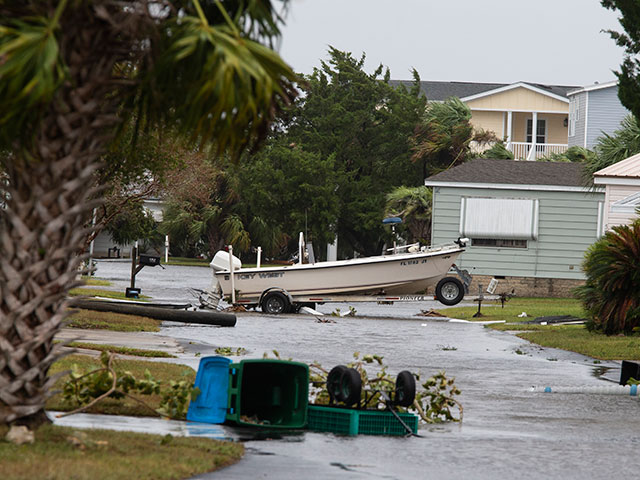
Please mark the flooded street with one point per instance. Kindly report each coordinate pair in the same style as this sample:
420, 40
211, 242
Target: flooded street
508, 431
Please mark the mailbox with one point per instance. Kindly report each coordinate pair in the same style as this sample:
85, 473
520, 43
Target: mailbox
149, 260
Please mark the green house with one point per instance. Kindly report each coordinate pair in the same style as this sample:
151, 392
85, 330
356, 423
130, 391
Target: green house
529, 223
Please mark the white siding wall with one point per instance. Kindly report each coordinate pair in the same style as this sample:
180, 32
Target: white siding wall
615, 193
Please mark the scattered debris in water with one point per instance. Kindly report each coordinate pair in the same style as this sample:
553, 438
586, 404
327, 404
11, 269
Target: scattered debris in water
430, 313
235, 308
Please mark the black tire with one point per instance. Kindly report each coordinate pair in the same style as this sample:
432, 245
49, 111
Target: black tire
344, 385
334, 380
275, 303
450, 291
405, 389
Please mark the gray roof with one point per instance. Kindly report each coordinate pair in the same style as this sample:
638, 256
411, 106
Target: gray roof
513, 172
442, 90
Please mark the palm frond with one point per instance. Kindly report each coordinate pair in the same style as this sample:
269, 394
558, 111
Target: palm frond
216, 84
31, 70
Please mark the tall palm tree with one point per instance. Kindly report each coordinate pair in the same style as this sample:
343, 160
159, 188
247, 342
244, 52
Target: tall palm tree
71, 73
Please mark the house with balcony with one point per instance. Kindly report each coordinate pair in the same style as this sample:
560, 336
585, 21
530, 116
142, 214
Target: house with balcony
531, 118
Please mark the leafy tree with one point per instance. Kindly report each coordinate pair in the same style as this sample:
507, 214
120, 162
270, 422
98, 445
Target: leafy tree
611, 293
413, 205
202, 213
629, 74
132, 223
286, 190
364, 124
72, 73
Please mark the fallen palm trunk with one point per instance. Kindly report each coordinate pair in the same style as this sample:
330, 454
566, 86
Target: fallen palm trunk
159, 313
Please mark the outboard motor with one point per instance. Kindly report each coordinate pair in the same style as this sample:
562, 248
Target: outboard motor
211, 298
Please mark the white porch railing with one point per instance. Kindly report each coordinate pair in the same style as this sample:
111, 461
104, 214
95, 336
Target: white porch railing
524, 150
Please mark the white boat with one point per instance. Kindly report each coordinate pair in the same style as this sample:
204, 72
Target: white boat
277, 288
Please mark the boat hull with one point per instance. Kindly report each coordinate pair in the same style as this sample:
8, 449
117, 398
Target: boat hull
401, 274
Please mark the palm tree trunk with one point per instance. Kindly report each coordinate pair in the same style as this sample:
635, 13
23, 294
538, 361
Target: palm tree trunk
51, 190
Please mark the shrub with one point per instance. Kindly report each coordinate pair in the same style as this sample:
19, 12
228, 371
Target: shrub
611, 294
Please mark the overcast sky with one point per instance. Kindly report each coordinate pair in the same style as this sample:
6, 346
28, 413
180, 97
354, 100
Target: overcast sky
503, 41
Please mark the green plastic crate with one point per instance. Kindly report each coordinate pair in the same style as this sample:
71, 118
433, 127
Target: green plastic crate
268, 393
345, 421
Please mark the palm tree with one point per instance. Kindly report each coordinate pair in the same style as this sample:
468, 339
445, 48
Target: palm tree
413, 205
71, 73
611, 293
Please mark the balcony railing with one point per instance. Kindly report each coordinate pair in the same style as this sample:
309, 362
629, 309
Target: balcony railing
525, 151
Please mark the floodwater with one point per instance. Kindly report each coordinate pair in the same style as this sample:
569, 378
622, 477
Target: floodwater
508, 430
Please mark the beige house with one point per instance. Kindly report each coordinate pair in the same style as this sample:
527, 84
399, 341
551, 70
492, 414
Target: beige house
532, 119
622, 191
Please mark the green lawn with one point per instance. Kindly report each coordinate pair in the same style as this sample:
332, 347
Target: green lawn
61, 453
188, 262
533, 307
112, 321
136, 352
97, 282
99, 292
576, 338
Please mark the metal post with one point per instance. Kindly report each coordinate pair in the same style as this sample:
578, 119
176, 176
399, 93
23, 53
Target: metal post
259, 257
393, 232
233, 282
93, 226
134, 256
166, 249
301, 248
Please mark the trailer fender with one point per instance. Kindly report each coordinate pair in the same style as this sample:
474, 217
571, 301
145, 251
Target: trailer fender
279, 290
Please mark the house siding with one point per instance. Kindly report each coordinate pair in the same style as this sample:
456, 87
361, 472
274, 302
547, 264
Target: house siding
615, 193
577, 140
567, 227
605, 113
488, 121
519, 99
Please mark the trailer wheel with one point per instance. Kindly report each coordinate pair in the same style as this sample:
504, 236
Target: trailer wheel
275, 303
344, 385
449, 291
405, 389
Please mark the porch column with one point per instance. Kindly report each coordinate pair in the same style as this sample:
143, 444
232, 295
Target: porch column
509, 126
534, 134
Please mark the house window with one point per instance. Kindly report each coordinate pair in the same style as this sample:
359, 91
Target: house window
498, 242
499, 218
541, 134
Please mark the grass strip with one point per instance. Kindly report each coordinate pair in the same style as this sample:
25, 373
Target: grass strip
96, 282
117, 322
98, 292
533, 307
576, 338
63, 453
187, 262
161, 371
137, 352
